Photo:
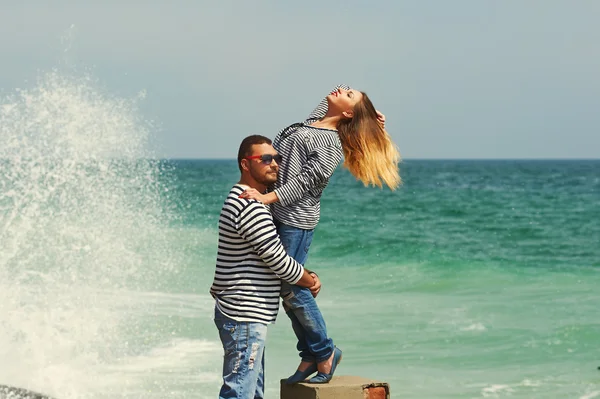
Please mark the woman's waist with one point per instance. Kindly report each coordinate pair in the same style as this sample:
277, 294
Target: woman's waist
298, 214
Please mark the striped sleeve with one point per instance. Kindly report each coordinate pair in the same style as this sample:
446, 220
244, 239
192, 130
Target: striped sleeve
255, 225
317, 170
321, 109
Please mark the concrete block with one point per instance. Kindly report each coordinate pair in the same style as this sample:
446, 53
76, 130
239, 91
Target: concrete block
340, 387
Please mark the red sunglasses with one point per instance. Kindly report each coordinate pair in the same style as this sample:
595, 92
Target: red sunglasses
267, 158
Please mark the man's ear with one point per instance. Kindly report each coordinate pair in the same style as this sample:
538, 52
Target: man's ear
244, 164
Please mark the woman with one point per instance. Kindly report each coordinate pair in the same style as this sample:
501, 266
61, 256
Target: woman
345, 124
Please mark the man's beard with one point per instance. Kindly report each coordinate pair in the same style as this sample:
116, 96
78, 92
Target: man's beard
266, 179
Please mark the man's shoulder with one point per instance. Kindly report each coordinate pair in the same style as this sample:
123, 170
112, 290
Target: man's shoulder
233, 200
234, 192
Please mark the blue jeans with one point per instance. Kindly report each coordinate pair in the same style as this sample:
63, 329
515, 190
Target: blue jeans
244, 360
299, 304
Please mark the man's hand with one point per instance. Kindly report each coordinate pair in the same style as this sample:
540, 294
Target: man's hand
314, 290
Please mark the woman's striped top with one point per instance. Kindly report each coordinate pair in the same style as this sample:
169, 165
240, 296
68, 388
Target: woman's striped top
310, 156
251, 261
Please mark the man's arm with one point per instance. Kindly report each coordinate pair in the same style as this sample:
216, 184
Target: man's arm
255, 225
308, 281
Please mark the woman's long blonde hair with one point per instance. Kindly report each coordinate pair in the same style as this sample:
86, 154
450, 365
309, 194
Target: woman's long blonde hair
369, 153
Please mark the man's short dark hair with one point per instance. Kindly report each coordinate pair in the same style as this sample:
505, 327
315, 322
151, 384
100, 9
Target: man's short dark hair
246, 146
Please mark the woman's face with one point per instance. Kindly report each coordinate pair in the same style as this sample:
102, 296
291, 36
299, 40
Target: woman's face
343, 101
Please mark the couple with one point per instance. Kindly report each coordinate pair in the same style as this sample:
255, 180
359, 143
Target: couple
262, 251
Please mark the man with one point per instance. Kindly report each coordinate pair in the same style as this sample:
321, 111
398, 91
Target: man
251, 263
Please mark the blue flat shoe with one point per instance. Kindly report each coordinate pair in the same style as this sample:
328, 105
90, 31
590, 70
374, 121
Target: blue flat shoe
324, 378
299, 376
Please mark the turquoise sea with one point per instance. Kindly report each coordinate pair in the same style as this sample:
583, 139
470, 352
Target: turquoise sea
476, 279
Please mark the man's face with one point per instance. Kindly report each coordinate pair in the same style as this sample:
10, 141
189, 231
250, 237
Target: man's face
263, 173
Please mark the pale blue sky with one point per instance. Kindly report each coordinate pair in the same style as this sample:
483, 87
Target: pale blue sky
456, 79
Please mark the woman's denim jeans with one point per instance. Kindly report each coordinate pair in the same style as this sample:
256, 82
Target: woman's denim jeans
300, 306
244, 361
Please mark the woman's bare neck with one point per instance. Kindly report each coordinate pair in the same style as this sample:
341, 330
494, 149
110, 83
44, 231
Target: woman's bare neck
327, 122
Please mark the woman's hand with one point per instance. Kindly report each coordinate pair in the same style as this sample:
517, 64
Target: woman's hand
252, 193
314, 290
381, 118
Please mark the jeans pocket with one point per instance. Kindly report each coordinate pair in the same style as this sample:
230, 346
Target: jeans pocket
286, 298
307, 242
229, 336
